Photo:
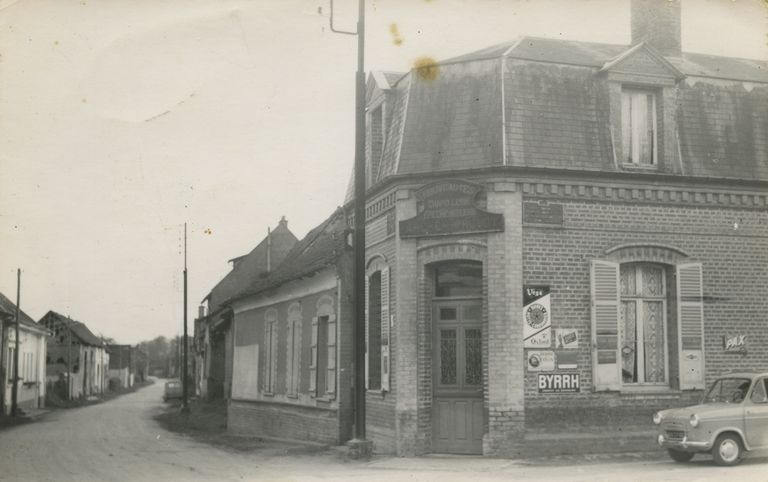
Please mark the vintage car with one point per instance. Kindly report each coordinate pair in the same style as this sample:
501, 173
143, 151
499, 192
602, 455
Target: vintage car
732, 418
173, 389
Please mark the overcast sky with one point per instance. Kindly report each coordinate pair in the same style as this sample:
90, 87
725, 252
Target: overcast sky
122, 119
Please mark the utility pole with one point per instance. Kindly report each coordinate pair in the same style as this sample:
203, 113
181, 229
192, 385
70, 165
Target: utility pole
184, 382
360, 447
15, 392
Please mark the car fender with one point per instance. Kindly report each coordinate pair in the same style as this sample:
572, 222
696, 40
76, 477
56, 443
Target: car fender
736, 430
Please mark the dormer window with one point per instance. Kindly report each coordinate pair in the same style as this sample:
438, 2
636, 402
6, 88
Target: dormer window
639, 127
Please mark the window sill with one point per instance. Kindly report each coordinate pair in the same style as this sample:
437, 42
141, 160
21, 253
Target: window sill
268, 394
640, 167
292, 395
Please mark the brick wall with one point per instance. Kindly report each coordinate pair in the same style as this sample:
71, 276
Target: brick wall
283, 421
735, 275
380, 406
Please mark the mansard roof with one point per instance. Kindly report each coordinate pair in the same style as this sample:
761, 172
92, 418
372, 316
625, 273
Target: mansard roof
538, 102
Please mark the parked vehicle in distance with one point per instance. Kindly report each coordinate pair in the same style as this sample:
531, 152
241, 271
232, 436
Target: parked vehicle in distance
731, 419
172, 390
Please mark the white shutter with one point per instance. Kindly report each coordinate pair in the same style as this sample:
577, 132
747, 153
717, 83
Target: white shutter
313, 360
690, 320
331, 378
367, 331
385, 329
604, 281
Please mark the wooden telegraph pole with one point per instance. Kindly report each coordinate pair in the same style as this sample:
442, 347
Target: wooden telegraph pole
15, 392
184, 401
361, 448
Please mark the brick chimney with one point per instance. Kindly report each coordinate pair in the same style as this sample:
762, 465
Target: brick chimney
657, 22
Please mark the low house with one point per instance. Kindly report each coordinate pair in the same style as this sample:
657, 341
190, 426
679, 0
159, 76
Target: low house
292, 330
77, 359
32, 353
122, 365
213, 335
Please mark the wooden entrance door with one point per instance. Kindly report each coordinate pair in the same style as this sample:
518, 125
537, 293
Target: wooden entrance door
457, 377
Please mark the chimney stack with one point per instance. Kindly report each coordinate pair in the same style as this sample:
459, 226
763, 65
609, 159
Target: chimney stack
657, 22
283, 222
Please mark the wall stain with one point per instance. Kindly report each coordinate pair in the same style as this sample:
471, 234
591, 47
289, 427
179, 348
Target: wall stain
397, 39
426, 68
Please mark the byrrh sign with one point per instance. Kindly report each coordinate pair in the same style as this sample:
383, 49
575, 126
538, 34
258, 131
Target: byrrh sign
449, 207
558, 382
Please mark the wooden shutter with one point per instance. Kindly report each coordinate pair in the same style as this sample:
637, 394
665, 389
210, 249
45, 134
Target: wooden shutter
331, 378
313, 360
606, 361
385, 329
367, 331
690, 319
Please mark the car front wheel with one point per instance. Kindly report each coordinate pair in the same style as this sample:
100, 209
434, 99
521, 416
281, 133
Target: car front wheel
727, 449
680, 456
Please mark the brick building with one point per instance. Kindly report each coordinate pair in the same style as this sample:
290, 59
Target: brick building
561, 235
213, 334
293, 343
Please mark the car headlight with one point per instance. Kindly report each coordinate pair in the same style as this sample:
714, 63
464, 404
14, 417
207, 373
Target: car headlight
694, 420
657, 418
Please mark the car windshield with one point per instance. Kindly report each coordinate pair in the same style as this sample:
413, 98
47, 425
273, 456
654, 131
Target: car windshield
728, 390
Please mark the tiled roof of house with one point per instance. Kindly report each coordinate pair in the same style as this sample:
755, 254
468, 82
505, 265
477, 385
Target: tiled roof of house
319, 249
8, 309
543, 103
252, 266
79, 329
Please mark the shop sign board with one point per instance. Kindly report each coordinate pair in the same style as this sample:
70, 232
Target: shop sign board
566, 338
537, 325
450, 207
559, 382
541, 361
735, 344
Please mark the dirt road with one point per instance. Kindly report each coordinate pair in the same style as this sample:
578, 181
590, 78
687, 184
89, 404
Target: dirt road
119, 441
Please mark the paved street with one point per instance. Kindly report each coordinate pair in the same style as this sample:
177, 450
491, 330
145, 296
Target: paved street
119, 440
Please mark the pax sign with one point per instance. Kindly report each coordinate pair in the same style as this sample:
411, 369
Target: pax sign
735, 344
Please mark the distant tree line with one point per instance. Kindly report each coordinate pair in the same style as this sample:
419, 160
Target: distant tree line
165, 356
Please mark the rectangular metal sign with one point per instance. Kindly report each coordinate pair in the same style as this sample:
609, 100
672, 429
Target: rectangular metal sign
559, 382
537, 325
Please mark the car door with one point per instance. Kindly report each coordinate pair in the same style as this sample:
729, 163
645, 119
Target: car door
756, 414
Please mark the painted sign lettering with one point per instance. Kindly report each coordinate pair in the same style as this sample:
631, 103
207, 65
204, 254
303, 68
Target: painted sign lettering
536, 317
449, 207
559, 382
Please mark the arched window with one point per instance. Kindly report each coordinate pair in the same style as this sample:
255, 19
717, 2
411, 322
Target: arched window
647, 319
643, 323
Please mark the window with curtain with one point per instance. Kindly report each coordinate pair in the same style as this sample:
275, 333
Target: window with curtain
643, 324
638, 127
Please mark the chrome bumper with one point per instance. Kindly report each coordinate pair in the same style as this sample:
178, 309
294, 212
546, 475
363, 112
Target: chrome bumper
684, 444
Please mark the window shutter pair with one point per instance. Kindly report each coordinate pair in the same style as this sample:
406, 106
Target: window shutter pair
384, 330
330, 389
606, 302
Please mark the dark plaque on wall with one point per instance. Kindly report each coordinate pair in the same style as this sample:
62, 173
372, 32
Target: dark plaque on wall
542, 213
449, 207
